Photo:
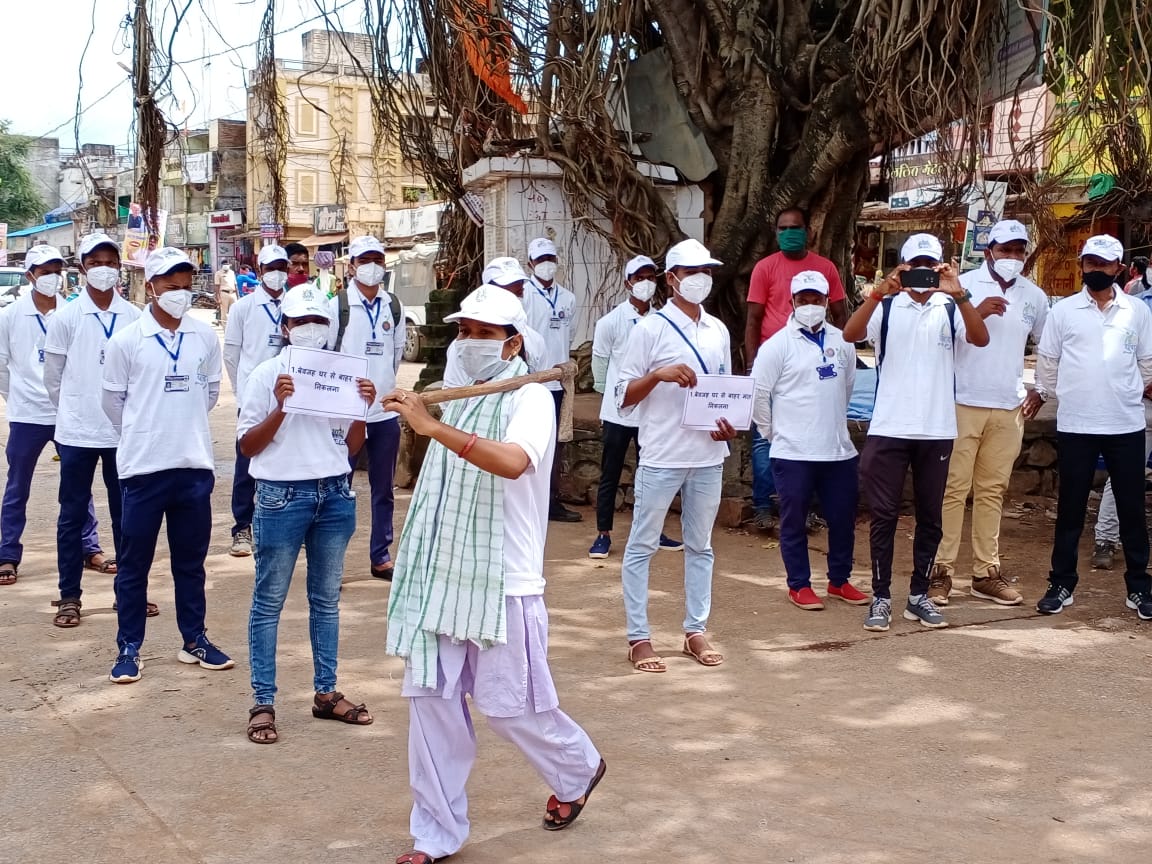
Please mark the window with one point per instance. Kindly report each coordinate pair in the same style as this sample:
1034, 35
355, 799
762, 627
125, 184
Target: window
306, 121
306, 188
413, 194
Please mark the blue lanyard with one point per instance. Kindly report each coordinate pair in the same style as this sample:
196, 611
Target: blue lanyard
110, 328
372, 318
174, 355
687, 342
816, 339
43, 326
551, 302
275, 319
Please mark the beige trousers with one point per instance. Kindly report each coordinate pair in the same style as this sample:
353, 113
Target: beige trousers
227, 298
987, 443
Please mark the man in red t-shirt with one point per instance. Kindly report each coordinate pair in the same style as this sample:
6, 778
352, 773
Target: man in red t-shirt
769, 306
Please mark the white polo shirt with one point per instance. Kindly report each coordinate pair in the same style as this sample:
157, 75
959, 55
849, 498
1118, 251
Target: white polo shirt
81, 332
993, 376
23, 331
610, 340
165, 378
371, 333
551, 313
1098, 382
916, 392
253, 327
809, 383
662, 339
304, 447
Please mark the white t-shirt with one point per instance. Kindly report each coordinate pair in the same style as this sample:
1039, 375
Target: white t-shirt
808, 388
23, 331
662, 339
551, 313
916, 394
610, 340
304, 447
1098, 382
993, 376
253, 327
371, 333
81, 332
166, 407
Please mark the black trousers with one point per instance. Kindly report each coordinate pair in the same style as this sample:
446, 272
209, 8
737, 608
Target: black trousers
1124, 457
884, 466
558, 456
616, 439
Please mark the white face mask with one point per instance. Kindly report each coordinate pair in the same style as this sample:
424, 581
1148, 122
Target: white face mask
103, 278
48, 284
545, 270
275, 280
695, 288
1008, 268
308, 335
481, 359
810, 317
369, 275
643, 290
176, 302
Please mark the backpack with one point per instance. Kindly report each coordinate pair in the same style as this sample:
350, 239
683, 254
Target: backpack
344, 311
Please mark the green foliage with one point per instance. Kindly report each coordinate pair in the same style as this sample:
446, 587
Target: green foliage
19, 203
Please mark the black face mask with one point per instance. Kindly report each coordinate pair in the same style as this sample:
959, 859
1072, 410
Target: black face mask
1099, 281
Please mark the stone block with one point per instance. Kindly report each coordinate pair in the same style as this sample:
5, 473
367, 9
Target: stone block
1026, 481
733, 512
1042, 454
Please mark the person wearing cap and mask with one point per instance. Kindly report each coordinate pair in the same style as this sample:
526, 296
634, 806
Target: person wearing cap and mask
75, 349
161, 379
915, 331
665, 353
252, 336
550, 309
31, 414
303, 499
467, 609
608, 344
225, 291
804, 377
769, 310
991, 404
1096, 357
374, 329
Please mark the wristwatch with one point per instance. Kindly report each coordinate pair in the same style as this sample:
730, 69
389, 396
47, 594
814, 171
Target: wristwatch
964, 298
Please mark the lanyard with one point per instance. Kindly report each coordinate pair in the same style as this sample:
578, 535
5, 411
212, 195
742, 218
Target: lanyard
175, 355
40, 321
550, 301
372, 310
687, 342
275, 319
110, 328
816, 339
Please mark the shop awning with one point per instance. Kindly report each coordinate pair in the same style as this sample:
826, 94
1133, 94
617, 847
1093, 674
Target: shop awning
324, 239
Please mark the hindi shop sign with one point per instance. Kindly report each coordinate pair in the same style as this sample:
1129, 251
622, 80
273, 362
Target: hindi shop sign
716, 397
226, 219
326, 383
329, 219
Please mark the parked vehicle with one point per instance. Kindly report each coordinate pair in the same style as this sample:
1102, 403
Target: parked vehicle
413, 279
12, 284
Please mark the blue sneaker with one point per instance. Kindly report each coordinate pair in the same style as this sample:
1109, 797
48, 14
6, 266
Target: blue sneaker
128, 666
667, 544
600, 547
206, 654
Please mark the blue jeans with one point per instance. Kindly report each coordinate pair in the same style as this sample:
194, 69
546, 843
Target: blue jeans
319, 515
26, 441
182, 497
77, 471
655, 488
835, 485
383, 445
763, 483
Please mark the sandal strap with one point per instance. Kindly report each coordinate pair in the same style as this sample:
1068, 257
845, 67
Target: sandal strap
262, 709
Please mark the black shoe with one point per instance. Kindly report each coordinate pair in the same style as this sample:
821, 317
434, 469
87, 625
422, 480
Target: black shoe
1054, 600
557, 512
1142, 603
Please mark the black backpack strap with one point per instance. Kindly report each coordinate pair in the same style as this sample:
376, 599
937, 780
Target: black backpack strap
394, 308
885, 312
952, 319
342, 303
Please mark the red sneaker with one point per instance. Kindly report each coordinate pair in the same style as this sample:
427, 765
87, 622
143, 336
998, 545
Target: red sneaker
805, 598
848, 593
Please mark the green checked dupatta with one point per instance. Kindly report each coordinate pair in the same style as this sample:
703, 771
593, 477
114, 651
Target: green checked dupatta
449, 576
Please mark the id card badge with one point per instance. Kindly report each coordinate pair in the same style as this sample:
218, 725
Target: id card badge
554, 323
101, 356
826, 371
40, 355
374, 349
275, 341
176, 384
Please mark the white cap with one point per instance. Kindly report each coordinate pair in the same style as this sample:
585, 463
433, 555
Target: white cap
271, 253
39, 255
540, 247
304, 301
89, 244
503, 272
1007, 231
922, 246
689, 253
809, 280
164, 260
363, 245
1104, 246
637, 264
491, 304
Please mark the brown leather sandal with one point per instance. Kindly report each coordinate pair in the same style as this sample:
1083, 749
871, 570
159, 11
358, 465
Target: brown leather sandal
325, 709
709, 656
151, 609
8, 573
645, 664
258, 727
418, 857
106, 566
67, 613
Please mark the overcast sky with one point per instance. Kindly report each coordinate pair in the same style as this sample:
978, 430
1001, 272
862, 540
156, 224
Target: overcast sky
42, 42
